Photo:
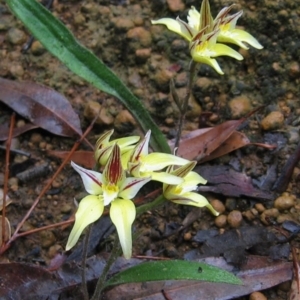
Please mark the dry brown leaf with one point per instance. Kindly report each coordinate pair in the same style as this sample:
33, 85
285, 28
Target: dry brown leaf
81, 157
41, 105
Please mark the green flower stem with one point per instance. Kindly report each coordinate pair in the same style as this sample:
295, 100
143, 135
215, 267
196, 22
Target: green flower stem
101, 281
149, 206
185, 102
83, 263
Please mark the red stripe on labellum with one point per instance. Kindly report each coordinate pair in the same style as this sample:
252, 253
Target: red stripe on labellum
113, 171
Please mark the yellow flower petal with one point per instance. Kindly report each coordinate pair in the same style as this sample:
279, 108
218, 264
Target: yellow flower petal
156, 161
195, 199
238, 37
122, 214
177, 26
89, 210
221, 49
131, 186
194, 18
166, 178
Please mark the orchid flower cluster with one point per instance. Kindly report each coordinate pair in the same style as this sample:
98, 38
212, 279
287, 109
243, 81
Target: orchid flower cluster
207, 35
128, 166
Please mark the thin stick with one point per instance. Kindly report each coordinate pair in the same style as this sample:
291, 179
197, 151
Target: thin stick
16, 151
83, 263
185, 103
6, 174
45, 228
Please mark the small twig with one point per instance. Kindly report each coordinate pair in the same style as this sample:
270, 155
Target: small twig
185, 102
83, 263
45, 228
6, 175
16, 151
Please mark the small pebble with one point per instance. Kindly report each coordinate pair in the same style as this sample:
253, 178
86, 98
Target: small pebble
221, 221
268, 215
139, 37
47, 238
294, 69
274, 120
16, 36
13, 181
187, 236
203, 84
16, 70
56, 183
36, 138
54, 250
66, 208
122, 24
162, 78
249, 215
259, 207
284, 217
79, 19
239, 106
257, 296
235, 218
175, 5
142, 54
37, 48
20, 123
124, 121
284, 202
218, 205
171, 251
42, 145
92, 109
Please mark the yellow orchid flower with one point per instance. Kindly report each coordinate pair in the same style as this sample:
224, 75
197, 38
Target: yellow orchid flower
112, 187
230, 34
205, 47
144, 164
104, 148
182, 193
203, 34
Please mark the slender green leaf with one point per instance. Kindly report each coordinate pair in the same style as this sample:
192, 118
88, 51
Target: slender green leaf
58, 40
173, 270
